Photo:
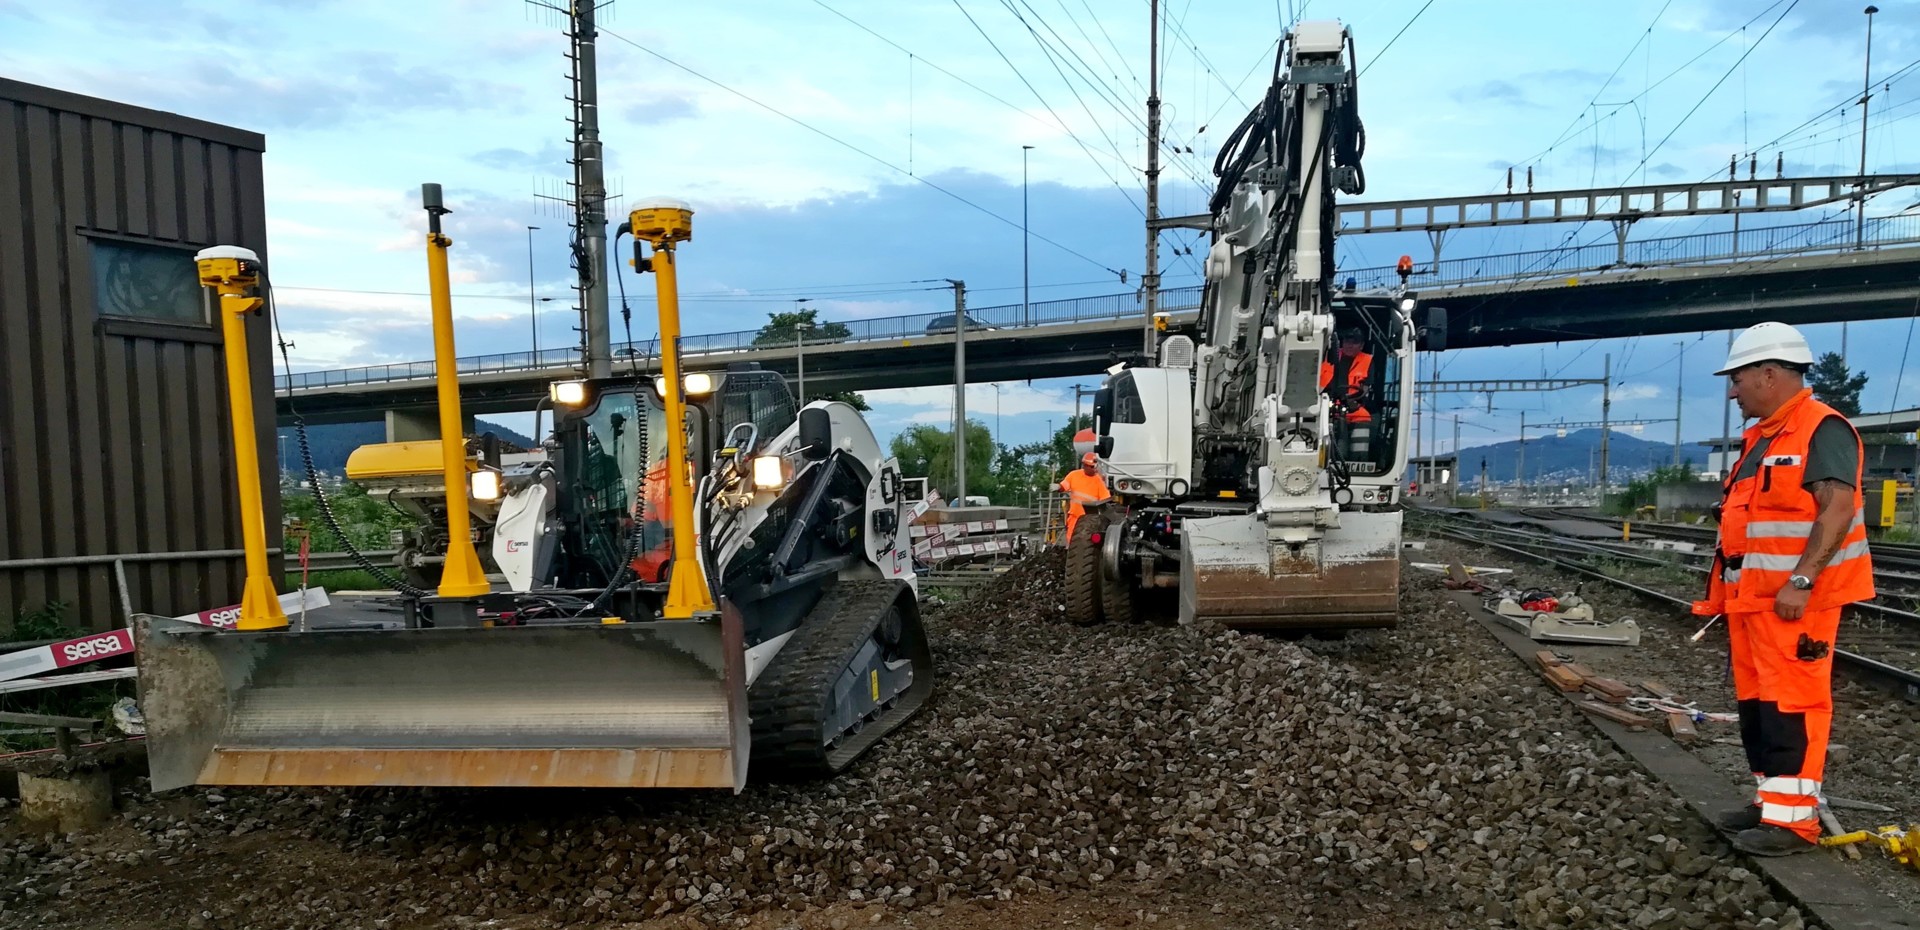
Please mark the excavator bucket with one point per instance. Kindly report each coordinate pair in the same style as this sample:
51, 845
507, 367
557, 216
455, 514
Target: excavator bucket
628, 705
1348, 579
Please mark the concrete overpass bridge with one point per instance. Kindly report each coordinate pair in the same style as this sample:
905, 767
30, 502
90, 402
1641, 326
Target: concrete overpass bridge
1805, 273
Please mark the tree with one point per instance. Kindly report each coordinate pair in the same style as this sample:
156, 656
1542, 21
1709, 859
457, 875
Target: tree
368, 521
850, 398
1835, 386
781, 328
926, 452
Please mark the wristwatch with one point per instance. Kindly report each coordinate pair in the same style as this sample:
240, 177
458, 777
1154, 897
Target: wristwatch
1801, 582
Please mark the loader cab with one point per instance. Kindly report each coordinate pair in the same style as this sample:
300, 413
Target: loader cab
613, 453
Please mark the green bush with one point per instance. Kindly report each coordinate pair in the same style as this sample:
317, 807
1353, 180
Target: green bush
1641, 491
48, 622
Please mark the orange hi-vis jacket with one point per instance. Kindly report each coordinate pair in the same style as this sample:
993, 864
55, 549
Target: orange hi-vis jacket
1082, 489
1765, 519
1358, 367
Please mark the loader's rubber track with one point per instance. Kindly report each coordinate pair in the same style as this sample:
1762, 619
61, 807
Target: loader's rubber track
1082, 582
794, 699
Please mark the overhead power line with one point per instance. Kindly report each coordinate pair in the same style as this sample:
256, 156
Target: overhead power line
859, 151
1396, 37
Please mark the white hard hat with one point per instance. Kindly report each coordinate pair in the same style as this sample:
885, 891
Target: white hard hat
1767, 342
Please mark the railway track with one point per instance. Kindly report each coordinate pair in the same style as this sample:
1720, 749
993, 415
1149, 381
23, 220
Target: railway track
1896, 566
1881, 643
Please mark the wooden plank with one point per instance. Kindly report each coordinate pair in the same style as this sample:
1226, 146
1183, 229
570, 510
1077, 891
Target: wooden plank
1625, 718
1659, 689
1547, 658
1610, 690
1561, 678
1681, 728
1581, 670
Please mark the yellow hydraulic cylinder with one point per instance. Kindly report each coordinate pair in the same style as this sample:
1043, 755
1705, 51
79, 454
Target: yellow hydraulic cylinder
232, 272
663, 223
461, 576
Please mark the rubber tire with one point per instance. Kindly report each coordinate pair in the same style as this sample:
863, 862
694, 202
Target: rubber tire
1116, 598
1082, 582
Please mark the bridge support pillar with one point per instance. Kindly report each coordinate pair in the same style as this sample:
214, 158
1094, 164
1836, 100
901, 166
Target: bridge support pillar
420, 424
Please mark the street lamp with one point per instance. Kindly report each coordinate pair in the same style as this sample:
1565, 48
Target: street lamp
800, 355
998, 391
1026, 305
533, 305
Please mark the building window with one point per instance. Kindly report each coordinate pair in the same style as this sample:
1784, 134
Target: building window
146, 282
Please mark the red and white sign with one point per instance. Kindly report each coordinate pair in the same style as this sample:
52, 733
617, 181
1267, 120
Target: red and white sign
79, 651
226, 618
97, 646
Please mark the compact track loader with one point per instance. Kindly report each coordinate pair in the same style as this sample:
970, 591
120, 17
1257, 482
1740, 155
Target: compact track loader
657, 633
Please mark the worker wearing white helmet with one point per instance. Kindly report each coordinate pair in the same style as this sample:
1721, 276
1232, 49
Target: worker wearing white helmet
1792, 553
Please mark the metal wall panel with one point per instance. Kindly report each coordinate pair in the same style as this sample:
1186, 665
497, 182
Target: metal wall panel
114, 435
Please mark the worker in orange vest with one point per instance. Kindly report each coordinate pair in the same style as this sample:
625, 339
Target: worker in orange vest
1358, 365
1792, 553
1083, 486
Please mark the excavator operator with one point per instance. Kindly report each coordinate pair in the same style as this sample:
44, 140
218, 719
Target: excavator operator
1351, 367
1083, 486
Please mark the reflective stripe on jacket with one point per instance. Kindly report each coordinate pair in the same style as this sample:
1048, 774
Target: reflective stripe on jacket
1765, 519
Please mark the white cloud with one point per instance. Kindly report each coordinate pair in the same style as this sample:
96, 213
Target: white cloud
1637, 392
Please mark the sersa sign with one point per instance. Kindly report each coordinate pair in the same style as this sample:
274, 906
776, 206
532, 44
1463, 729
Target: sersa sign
92, 648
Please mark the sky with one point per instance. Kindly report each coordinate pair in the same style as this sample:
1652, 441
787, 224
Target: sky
836, 150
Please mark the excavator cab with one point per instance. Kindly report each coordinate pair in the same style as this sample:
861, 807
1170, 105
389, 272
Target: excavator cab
1362, 378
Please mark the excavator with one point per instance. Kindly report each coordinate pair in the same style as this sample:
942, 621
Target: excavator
1257, 468
703, 578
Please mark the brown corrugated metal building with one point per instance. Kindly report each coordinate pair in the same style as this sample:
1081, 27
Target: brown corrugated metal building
114, 435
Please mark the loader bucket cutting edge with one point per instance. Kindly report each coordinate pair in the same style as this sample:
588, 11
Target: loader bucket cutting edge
639, 705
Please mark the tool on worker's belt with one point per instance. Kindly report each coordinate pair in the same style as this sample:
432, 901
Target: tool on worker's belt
1702, 632
1809, 649
1901, 843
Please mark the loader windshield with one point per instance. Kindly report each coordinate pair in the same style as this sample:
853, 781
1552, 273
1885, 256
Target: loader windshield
610, 487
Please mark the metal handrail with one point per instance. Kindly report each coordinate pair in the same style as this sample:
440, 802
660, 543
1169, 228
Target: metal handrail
1702, 248
1099, 308
1671, 251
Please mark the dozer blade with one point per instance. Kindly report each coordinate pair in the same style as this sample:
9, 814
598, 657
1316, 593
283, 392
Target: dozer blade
636, 705
1349, 579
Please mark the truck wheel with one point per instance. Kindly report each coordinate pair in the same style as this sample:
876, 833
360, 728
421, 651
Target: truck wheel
1083, 573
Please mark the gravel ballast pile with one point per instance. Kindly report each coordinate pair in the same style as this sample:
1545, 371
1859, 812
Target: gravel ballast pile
1881, 761
1244, 779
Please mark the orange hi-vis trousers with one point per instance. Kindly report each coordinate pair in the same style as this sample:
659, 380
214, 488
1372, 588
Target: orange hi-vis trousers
1783, 678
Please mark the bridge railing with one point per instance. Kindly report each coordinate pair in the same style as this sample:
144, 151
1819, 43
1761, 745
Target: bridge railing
1699, 249
877, 329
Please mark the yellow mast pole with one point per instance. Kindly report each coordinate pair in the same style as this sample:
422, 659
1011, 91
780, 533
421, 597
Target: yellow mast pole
662, 223
232, 272
461, 576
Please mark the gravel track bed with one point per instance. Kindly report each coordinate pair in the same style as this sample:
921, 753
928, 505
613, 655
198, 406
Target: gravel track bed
1115, 776
1881, 762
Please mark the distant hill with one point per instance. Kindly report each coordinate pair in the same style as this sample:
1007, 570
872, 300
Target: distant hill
333, 442
1569, 458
